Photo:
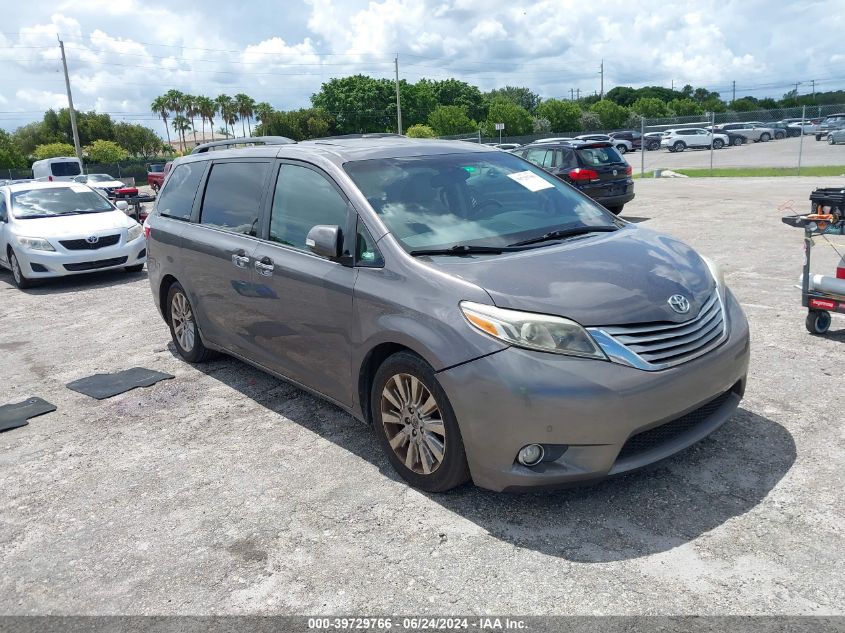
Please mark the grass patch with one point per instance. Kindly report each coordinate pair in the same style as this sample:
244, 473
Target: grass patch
754, 172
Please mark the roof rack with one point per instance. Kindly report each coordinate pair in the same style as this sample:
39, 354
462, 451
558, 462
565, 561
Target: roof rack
244, 140
365, 135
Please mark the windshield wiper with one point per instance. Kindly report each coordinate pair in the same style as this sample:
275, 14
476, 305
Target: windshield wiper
463, 249
562, 233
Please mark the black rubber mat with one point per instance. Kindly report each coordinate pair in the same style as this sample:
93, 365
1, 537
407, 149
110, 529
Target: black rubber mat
102, 386
15, 415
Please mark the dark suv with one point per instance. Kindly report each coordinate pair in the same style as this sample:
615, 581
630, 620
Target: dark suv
595, 169
636, 138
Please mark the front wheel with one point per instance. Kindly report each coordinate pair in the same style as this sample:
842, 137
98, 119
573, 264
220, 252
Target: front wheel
18, 277
134, 269
718, 144
780, 135
183, 326
818, 321
818, 137
679, 147
831, 140
416, 426
621, 149
765, 136
738, 141
653, 146
616, 210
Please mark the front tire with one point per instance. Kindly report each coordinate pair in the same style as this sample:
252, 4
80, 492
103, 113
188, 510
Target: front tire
679, 147
738, 141
416, 426
765, 136
622, 149
831, 140
183, 326
616, 210
134, 269
818, 322
718, 144
18, 278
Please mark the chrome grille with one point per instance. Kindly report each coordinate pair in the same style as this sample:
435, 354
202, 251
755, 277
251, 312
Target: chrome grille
654, 346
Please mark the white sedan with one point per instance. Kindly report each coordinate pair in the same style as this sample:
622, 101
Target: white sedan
54, 229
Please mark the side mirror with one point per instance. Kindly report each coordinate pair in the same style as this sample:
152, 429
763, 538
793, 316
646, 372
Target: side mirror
122, 205
325, 241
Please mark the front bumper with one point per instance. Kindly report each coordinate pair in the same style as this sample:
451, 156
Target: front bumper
589, 409
37, 264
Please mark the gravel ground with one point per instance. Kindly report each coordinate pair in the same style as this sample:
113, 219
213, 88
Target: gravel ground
782, 153
228, 491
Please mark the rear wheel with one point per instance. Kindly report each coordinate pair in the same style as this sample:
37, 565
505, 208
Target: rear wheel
616, 209
653, 146
416, 426
765, 136
831, 140
622, 148
718, 143
183, 326
818, 321
679, 146
738, 141
818, 137
18, 277
780, 135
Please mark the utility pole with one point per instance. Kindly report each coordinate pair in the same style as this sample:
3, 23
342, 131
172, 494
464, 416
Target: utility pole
733, 91
673, 85
398, 103
796, 87
601, 71
572, 94
813, 81
578, 94
70, 103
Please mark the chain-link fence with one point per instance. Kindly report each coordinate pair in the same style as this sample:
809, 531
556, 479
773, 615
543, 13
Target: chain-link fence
130, 169
754, 143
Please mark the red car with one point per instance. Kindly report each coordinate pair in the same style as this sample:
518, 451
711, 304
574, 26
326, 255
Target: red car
156, 173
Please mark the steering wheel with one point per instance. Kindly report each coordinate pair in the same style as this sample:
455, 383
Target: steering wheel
481, 207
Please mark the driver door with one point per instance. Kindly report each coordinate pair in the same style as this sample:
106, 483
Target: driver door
4, 224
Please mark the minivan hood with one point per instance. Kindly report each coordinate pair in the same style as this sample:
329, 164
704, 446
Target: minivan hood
83, 224
601, 279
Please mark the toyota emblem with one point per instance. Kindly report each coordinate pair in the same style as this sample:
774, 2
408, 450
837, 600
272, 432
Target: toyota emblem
92, 239
679, 303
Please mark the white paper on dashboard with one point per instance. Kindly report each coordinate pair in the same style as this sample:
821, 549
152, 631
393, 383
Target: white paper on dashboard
530, 180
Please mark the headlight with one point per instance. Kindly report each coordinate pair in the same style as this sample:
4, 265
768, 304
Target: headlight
36, 243
134, 232
541, 332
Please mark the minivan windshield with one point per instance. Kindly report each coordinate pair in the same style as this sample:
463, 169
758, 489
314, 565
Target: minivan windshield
56, 201
475, 199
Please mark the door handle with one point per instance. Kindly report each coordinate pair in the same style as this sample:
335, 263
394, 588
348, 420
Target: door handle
240, 259
264, 266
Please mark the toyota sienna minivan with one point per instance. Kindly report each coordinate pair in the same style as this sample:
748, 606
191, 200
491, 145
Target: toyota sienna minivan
487, 319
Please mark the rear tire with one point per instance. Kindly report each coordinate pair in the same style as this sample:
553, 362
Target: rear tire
765, 136
416, 426
653, 146
831, 140
780, 135
18, 278
718, 144
818, 322
616, 210
622, 149
679, 146
818, 137
738, 141
183, 326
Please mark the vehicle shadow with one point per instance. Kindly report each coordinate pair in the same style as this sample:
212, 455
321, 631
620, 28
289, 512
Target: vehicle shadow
625, 517
75, 283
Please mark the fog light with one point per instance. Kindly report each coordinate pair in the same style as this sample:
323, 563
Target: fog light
530, 455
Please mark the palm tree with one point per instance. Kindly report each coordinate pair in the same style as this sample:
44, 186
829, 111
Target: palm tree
160, 107
263, 112
181, 124
226, 108
176, 103
245, 107
191, 110
223, 131
206, 109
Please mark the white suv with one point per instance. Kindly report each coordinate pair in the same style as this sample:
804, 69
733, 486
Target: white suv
680, 139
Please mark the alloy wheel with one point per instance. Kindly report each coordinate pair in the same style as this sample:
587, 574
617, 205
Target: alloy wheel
413, 423
182, 318
16, 269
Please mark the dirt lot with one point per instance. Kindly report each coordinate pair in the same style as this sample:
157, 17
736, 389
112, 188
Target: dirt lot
228, 491
782, 153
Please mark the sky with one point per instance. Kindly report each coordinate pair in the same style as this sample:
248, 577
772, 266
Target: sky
123, 53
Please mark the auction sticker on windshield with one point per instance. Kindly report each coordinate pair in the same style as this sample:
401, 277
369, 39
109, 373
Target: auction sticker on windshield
530, 181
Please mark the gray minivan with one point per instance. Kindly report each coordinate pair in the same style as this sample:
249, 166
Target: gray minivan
487, 319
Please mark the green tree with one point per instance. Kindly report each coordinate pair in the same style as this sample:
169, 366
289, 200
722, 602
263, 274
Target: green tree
263, 112
517, 119
459, 93
746, 104
611, 115
206, 109
358, 104
137, 139
181, 124
191, 112
161, 107
245, 107
589, 121
685, 107
420, 131
447, 120
418, 102
299, 124
52, 150
176, 104
11, 155
622, 95
562, 115
522, 97
102, 151
650, 108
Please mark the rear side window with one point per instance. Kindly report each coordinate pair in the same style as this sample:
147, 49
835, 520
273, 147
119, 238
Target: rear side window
177, 197
541, 157
303, 199
65, 168
232, 199
566, 159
